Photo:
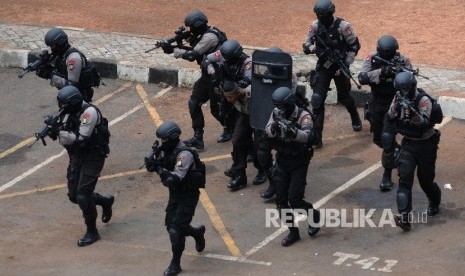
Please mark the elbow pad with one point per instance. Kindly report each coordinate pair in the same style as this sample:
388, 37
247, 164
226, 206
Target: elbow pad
363, 78
169, 180
190, 55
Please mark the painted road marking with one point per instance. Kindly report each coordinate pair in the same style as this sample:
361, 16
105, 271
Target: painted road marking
204, 198
104, 177
31, 139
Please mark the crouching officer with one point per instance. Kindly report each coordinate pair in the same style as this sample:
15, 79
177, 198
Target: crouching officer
85, 136
290, 128
174, 162
412, 116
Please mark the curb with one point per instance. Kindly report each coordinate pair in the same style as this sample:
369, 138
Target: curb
185, 77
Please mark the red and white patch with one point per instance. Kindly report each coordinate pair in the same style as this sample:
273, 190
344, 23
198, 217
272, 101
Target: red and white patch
348, 29
368, 57
71, 64
310, 30
218, 54
85, 118
306, 119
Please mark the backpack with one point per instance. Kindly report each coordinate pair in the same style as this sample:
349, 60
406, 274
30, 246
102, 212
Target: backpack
197, 172
436, 110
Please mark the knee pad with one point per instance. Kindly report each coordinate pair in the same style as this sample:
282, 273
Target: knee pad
387, 140
194, 105
87, 205
72, 198
317, 101
403, 201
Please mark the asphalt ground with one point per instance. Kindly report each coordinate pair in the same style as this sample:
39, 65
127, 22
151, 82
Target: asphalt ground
39, 226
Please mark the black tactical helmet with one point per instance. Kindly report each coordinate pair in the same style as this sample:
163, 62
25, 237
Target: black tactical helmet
195, 19
231, 50
406, 83
56, 36
324, 10
324, 7
70, 99
169, 130
387, 46
284, 99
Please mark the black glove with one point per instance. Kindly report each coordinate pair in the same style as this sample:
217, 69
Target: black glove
167, 49
291, 132
158, 168
243, 83
306, 49
149, 164
53, 133
215, 79
388, 71
274, 127
45, 72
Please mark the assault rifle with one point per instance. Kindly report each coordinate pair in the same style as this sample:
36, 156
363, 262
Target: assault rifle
399, 67
51, 123
286, 127
44, 59
337, 57
180, 35
405, 106
151, 158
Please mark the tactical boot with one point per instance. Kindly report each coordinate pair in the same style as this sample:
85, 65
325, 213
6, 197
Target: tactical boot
313, 230
226, 136
106, 208
199, 237
260, 178
386, 183
173, 269
197, 140
292, 237
402, 222
238, 181
89, 238
269, 193
356, 122
433, 207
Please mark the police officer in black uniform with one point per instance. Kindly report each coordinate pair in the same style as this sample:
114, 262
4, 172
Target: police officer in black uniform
380, 76
234, 68
338, 35
84, 134
410, 115
293, 142
205, 40
67, 66
174, 164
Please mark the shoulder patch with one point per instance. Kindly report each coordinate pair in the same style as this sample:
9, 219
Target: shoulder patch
347, 29
218, 54
85, 118
248, 65
71, 63
179, 160
306, 119
368, 58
